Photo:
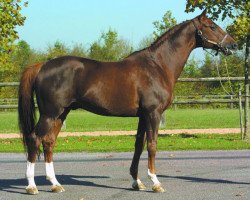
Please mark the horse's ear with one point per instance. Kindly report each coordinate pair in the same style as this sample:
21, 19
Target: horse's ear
203, 15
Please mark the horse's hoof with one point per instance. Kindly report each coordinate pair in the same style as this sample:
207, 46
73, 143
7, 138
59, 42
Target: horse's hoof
138, 185
57, 189
32, 190
158, 188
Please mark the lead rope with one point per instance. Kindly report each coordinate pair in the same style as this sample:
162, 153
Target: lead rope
218, 71
229, 81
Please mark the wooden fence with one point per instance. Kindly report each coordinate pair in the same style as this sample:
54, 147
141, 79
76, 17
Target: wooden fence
205, 99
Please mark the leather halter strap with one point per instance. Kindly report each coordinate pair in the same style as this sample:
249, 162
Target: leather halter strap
205, 39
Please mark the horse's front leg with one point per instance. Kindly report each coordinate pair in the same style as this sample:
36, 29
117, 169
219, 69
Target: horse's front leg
153, 121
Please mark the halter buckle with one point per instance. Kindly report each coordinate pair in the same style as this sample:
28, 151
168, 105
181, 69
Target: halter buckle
199, 32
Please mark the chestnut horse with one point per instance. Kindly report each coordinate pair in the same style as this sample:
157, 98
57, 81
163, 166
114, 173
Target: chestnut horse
141, 85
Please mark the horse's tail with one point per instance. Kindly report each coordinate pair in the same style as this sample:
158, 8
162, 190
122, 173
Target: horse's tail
26, 104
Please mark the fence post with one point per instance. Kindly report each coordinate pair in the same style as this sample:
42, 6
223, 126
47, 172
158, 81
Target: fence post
64, 125
240, 110
163, 120
5, 103
231, 104
175, 105
203, 105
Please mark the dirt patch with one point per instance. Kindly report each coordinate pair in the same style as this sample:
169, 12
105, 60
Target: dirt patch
111, 133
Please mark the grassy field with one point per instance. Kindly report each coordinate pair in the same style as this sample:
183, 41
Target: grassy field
126, 143
80, 121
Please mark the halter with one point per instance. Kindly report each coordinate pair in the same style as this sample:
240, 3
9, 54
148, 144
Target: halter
205, 39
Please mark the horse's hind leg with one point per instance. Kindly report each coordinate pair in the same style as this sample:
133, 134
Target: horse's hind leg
139, 145
48, 144
33, 143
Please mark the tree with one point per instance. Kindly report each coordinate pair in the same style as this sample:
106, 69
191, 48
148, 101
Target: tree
238, 11
191, 69
78, 50
21, 55
160, 26
146, 42
109, 47
165, 24
56, 50
10, 18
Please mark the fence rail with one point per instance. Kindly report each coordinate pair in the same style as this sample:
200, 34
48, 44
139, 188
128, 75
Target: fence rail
175, 102
11, 103
210, 79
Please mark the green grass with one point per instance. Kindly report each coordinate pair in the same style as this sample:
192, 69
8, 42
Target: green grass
126, 143
80, 121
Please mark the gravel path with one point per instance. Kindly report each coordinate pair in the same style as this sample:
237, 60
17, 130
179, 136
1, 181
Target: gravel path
110, 133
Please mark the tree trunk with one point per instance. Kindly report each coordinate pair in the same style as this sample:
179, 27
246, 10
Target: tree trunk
247, 128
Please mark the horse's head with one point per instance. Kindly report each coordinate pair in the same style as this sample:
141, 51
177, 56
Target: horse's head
211, 36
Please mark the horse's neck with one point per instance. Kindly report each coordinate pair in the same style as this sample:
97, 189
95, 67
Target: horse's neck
173, 53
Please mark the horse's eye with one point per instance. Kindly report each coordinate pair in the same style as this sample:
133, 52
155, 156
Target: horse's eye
213, 27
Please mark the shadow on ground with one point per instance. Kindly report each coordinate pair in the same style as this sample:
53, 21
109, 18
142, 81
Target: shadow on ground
203, 180
15, 185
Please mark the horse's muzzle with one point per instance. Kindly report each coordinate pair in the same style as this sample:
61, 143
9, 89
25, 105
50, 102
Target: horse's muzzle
229, 48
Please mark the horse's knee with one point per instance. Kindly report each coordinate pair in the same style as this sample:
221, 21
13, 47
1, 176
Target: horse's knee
152, 147
48, 146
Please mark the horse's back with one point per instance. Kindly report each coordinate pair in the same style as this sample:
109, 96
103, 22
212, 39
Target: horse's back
108, 88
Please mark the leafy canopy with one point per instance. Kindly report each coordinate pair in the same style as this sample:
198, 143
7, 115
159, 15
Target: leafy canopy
10, 18
165, 24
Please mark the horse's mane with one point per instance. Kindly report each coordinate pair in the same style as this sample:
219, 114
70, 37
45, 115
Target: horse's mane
171, 33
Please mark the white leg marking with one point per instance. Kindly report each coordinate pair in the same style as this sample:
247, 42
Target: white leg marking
30, 173
50, 174
153, 178
138, 185
136, 182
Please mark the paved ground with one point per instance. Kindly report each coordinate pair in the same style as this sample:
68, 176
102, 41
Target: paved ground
192, 175
110, 133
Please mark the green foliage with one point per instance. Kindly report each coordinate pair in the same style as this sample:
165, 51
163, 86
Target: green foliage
146, 42
78, 50
160, 27
217, 7
240, 28
191, 69
109, 47
56, 50
20, 57
10, 18
165, 24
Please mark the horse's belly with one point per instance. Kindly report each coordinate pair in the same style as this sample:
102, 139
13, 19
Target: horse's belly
103, 103
101, 108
